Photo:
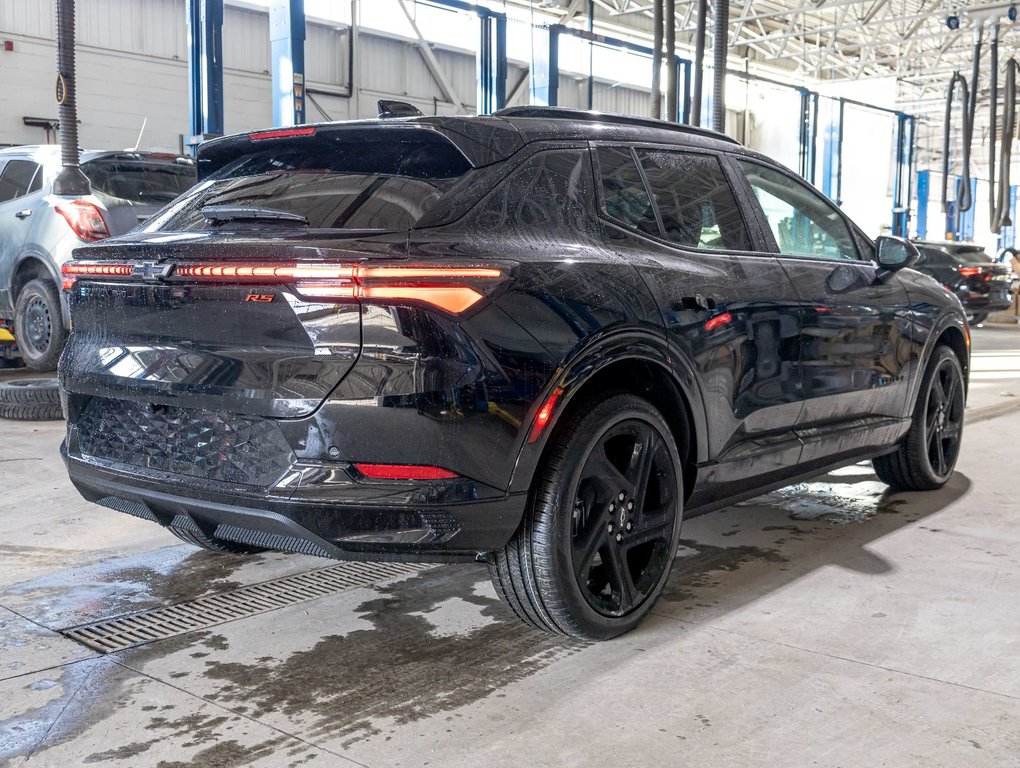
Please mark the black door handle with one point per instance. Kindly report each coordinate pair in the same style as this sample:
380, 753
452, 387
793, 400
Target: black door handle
24, 214
696, 302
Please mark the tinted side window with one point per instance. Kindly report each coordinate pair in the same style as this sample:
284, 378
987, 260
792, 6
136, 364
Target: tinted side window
802, 221
625, 198
552, 189
936, 258
694, 199
17, 179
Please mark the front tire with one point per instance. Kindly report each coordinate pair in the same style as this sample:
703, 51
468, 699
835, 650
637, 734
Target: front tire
601, 529
926, 457
39, 326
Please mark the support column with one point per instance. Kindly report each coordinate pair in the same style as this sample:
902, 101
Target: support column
205, 70
287, 54
923, 185
903, 176
808, 134
832, 161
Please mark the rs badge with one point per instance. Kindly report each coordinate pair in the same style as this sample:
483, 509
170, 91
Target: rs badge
263, 298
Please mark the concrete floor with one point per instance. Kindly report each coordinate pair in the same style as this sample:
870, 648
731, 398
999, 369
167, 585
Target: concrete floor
830, 624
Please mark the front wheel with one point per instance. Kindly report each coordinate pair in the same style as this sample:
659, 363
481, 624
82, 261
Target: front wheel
926, 457
602, 526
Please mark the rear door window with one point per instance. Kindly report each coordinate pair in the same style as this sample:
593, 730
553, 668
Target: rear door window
19, 178
695, 203
139, 179
624, 197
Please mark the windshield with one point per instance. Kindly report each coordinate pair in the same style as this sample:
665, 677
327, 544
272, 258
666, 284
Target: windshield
146, 181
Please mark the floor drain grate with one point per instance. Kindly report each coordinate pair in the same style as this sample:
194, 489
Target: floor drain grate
122, 632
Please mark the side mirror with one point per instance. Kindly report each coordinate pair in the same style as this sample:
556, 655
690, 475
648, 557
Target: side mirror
893, 253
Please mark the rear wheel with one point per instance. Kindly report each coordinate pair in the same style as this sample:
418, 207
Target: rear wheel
603, 522
977, 318
199, 539
38, 325
926, 457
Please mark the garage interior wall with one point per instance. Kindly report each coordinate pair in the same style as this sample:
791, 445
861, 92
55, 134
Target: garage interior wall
132, 66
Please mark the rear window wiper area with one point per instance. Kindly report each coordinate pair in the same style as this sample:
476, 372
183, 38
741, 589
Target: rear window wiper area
219, 214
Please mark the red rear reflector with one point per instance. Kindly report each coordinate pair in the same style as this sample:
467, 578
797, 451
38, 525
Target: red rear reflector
84, 219
404, 472
718, 320
970, 271
545, 414
282, 133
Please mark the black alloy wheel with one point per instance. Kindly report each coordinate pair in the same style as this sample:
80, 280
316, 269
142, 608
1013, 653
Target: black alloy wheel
926, 457
598, 538
944, 418
623, 518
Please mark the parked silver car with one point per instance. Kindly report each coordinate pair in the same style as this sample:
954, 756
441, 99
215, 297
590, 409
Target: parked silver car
38, 230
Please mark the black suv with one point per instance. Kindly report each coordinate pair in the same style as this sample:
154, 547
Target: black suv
539, 339
982, 285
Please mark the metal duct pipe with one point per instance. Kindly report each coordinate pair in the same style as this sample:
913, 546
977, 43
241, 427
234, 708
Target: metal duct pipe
657, 59
70, 181
993, 217
669, 19
720, 48
699, 62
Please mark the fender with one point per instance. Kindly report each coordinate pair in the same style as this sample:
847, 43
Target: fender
948, 319
645, 344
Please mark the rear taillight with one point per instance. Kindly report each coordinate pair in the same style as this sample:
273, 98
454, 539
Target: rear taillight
454, 289
969, 271
84, 219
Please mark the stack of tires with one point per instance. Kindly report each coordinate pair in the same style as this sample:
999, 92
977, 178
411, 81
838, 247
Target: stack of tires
30, 399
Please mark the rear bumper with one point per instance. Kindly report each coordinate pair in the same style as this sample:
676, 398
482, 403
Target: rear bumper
990, 303
413, 528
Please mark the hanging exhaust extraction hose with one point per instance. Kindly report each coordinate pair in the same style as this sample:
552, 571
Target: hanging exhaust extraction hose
1001, 217
993, 218
963, 199
70, 181
720, 49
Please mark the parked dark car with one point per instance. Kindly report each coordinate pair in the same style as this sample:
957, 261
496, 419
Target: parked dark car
538, 339
38, 231
982, 285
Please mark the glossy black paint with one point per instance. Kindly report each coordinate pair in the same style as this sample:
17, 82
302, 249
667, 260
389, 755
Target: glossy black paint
769, 367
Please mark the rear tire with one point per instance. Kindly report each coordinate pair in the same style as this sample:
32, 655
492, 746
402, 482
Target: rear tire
39, 326
212, 544
977, 318
926, 457
585, 562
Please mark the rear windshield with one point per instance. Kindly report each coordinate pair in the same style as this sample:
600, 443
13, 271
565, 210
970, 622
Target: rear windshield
331, 181
147, 181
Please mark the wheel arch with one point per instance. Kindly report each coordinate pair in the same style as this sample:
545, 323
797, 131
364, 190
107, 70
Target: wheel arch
629, 362
949, 330
31, 266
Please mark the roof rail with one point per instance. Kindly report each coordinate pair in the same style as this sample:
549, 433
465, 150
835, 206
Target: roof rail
590, 116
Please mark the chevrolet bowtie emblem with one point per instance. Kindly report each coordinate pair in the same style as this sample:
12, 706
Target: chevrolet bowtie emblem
150, 270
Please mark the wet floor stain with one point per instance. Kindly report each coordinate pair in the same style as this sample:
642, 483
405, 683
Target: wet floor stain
405, 667
698, 565
129, 584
